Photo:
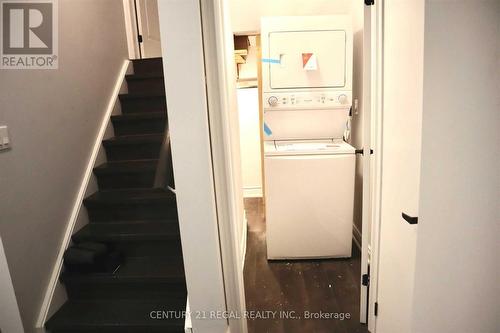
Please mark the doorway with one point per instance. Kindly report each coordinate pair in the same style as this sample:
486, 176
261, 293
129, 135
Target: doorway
315, 283
216, 78
142, 25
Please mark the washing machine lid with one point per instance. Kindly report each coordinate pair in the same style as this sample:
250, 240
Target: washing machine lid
307, 147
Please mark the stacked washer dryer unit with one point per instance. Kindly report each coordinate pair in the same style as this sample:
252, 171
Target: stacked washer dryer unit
309, 169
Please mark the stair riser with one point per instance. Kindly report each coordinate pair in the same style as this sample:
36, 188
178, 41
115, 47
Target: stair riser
146, 86
146, 104
148, 67
139, 151
131, 212
150, 248
123, 181
131, 291
145, 248
139, 126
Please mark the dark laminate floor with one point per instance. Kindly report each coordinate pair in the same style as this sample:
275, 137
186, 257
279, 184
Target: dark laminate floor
330, 286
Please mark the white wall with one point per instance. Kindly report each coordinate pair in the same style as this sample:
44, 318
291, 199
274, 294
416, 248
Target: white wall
248, 108
457, 270
182, 48
246, 14
53, 118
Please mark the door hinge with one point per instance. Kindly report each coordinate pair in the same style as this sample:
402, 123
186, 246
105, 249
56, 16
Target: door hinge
139, 38
365, 280
375, 310
369, 2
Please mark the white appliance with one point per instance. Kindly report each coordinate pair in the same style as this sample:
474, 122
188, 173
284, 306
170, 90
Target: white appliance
309, 170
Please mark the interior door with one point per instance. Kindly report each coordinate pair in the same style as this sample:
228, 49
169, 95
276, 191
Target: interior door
149, 28
401, 106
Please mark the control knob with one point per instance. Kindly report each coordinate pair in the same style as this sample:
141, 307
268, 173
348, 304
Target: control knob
342, 99
273, 100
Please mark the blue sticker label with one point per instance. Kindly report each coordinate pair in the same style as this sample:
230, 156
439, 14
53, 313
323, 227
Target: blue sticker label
271, 61
267, 130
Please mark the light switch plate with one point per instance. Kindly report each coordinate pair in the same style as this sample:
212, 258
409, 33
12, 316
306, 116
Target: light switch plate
4, 138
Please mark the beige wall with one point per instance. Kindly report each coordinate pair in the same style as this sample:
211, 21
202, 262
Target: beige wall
456, 281
246, 14
53, 118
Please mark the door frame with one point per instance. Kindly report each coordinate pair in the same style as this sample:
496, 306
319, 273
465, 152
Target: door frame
224, 136
367, 194
219, 18
132, 29
376, 60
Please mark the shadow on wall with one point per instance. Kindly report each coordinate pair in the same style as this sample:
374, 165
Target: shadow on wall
357, 123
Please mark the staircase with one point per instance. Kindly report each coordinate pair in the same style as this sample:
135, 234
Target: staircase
133, 230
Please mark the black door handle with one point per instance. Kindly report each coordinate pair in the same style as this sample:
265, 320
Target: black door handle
362, 151
410, 219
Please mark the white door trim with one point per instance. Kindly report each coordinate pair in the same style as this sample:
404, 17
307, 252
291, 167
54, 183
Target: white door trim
221, 95
376, 105
367, 160
131, 29
147, 16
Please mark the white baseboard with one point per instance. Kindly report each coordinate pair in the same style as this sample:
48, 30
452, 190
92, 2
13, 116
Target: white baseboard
56, 271
356, 236
188, 325
252, 192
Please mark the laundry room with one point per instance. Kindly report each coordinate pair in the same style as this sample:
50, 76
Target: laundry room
299, 69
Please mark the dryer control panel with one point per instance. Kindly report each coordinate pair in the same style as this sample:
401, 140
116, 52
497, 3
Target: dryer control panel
307, 100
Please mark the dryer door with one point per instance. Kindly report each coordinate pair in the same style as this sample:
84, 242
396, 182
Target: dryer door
308, 59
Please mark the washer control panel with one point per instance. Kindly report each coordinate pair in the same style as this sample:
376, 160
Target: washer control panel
307, 100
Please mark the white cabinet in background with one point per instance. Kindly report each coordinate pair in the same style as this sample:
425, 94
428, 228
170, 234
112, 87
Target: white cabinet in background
248, 108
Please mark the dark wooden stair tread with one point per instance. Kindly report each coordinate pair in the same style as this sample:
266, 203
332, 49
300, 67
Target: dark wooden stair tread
132, 219
133, 139
117, 316
137, 166
128, 231
137, 269
154, 195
